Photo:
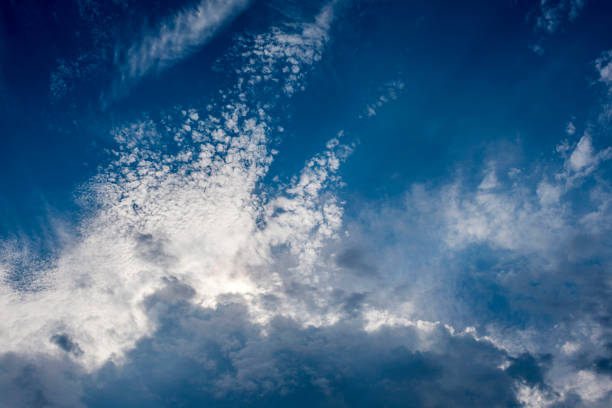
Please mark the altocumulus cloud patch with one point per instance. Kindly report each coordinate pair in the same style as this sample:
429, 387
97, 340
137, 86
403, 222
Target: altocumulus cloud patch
200, 275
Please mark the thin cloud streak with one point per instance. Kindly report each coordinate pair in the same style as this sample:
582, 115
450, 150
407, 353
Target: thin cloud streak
175, 40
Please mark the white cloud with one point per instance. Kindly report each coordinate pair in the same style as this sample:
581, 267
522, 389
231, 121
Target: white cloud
285, 55
533, 397
563, 147
194, 215
537, 48
570, 348
548, 193
508, 216
604, 67
200, 216
552, 13
388, 92
176, 38
490, 180
590, 386
582, 155
534, 234
583, 160
498, 219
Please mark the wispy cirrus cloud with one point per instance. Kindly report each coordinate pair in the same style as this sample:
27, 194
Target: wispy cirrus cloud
512, 260
175, 39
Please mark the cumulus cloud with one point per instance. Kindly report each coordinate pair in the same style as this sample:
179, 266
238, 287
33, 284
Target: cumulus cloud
517, 258
201, 356
231, 361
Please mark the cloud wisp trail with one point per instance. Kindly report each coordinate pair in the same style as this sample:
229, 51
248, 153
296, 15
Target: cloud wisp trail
173, 40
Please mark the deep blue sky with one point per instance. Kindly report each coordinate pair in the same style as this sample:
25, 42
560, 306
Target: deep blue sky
470, 78
467, 198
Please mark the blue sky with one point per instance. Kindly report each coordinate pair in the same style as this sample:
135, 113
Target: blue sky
330, 203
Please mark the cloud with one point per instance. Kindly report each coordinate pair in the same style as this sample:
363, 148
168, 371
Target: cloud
193, 282
95, 36
231, 361
282, 55
388, 92
38, 380
189, 212
548, 193
521, 259
175, 39
202, 356
553, 13
516, 258
582, 160
583, 157
159, 48
603, 64
550, 16
64, 342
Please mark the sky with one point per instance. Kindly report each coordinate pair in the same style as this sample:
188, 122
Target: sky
323, 203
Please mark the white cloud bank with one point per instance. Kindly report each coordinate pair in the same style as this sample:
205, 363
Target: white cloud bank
194, 215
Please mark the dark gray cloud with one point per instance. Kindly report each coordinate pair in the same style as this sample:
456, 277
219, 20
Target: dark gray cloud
63, 341
353, 260
200, 357
37, 380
